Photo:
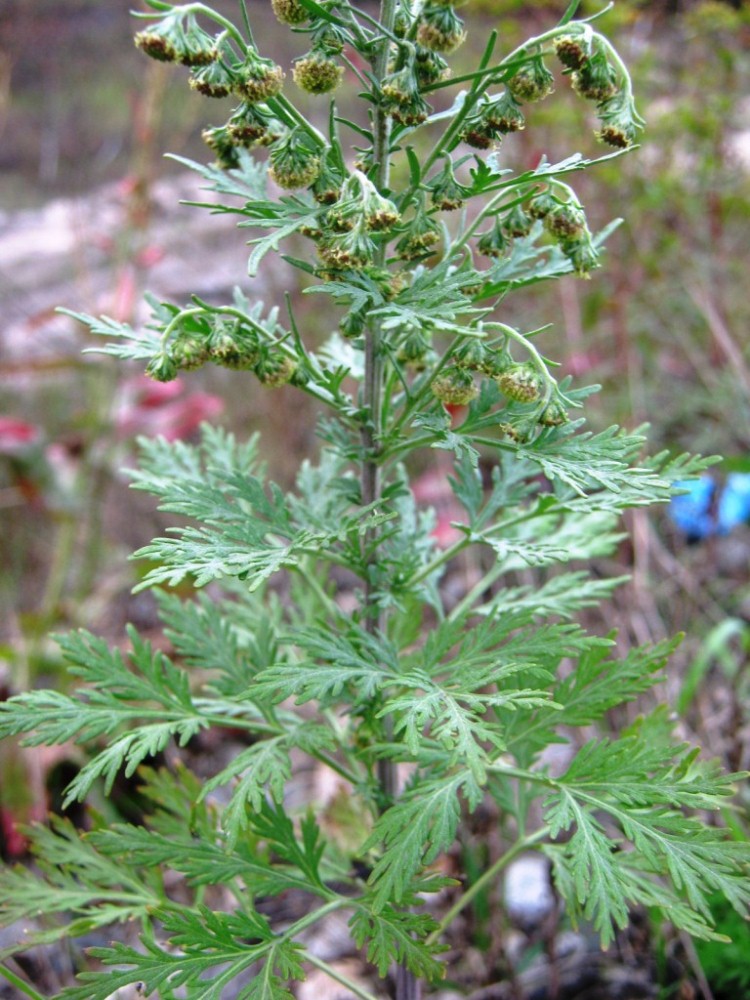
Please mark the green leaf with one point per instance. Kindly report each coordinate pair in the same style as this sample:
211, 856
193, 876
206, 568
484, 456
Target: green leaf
414, 831
396, 936
73, 881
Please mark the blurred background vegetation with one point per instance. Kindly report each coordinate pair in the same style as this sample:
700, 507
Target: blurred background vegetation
664, 327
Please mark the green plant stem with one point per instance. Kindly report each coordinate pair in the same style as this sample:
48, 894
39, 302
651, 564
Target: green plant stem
329, 970
485, 879
19, 983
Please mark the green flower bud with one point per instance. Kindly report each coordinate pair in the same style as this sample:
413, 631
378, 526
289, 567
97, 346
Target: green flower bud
582, 254
353, 323
189, 351
520, 383
292, 163
317, 73
414, 350
503, 114
454, 387
421, 238
353, 250
198, 47
162, 40
440, 28
573, 51
617, 116
532, 82
596, 80
327, 187
220, 141
541, 205
214, 80
251, 126
275, 369
258, 79
162, 368
230, 345
553, 415
516, 223
493, 243
472, 355
289, 11
429, 67
445, 191
477, 133
411, 113
566, 222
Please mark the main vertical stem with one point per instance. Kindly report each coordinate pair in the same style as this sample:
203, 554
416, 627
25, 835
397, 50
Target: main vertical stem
407, 986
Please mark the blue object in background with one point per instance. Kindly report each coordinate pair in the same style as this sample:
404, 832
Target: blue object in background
734, 502
691, 511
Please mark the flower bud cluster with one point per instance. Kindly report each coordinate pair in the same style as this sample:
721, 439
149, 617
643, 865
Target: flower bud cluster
596, 79
177, 38
454, 386
358, 212
293, 163
564, 219
421, 238
497, 116
317, 72
289, 11
440, 29
400, 90
445, 191
224, 340
532, 82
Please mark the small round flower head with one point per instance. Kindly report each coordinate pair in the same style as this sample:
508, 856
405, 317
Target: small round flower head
198, 47
292, 163
220, 141
582, 254
411, 113
445, 191
317, 73
516, 223
258, 79
249, 125
214, 80
477, 133
162, 368
353, 323
380, 213
429, 67
420, 240
541, 205
565, 222
401, 22
520, 383
162, 40
414, 350
596, 80
352, 250
472, 355
289, 11
618, 124
400, 85
493, 243
503, 114
231, 346
327, 187
573, 51
275, 369
440, 28
553, 415
454, 387
532, 82
189, 351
